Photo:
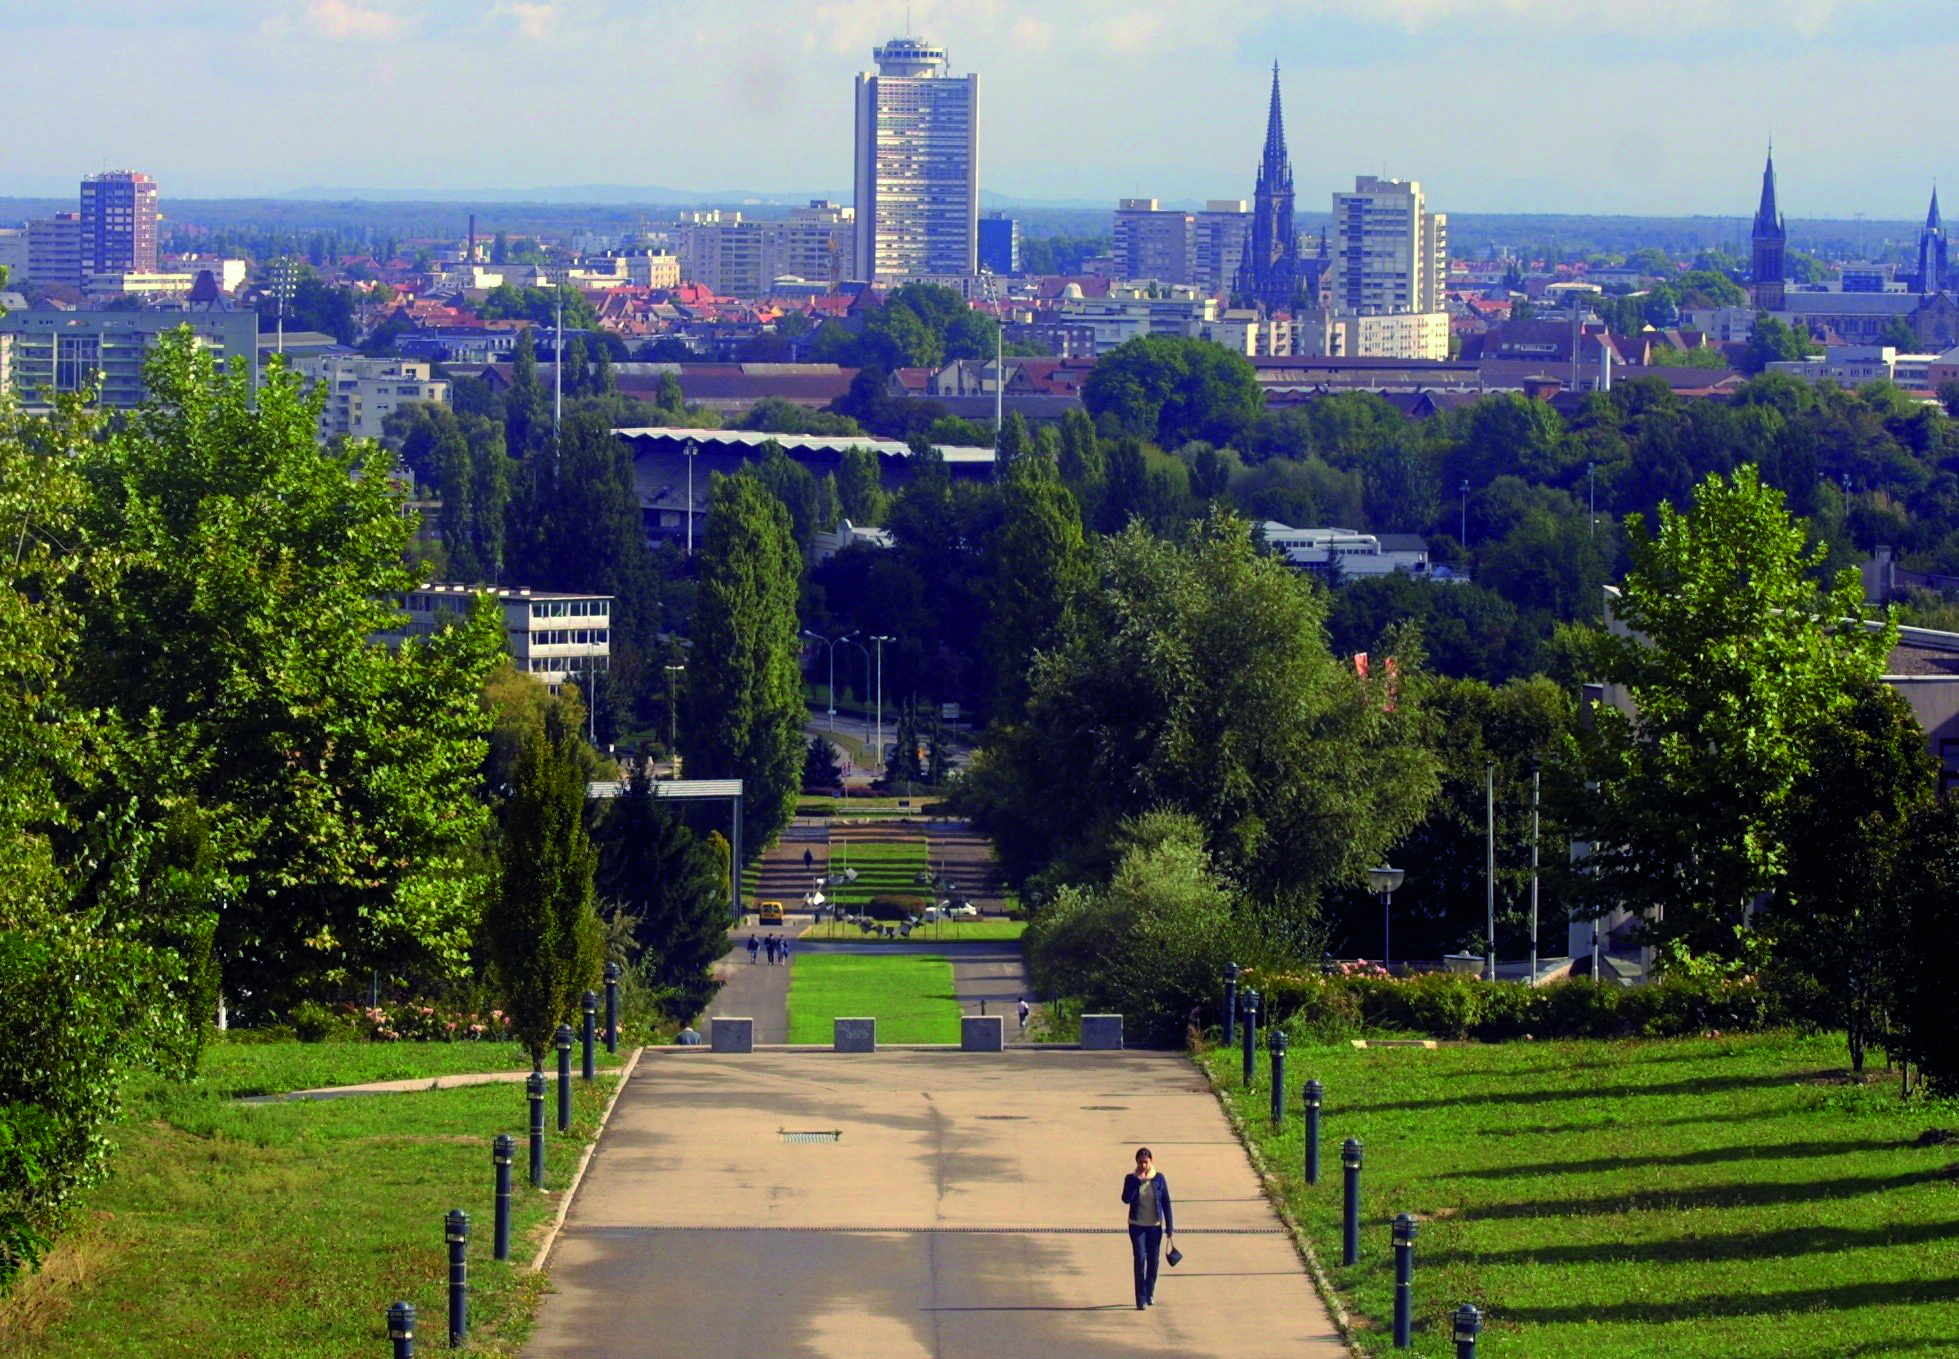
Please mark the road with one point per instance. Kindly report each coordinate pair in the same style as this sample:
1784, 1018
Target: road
967, 1209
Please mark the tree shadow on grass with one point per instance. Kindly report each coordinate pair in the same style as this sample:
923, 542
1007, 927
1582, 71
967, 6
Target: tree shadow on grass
1835, 1298
1765, 1245
1706, 1196
1711, 1156
1706, 1085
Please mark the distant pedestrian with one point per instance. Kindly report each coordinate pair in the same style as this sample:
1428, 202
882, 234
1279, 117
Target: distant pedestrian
1023, 1014
689, 1037
782, 950
754, 947
771, 945
809, 860
1148, 1195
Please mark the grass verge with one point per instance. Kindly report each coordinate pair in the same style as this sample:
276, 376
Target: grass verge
1725, 1198
240, 1066
909, 994
229, 1230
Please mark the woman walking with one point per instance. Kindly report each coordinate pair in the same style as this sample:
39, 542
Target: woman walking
1148, 1195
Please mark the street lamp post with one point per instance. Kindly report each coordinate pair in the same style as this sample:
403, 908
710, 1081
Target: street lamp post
692, 449
1463, 491
673, 729
880, 695
1591, 472
992, 285
831, 644
1489, 870
1536, 790
1385, 880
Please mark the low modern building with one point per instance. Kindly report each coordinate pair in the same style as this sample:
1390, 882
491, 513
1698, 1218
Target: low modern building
1348, 552
743, 257
66, 351
361, 393
552, 637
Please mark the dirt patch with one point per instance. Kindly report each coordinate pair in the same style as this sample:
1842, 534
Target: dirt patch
1842, 1078
37, 1302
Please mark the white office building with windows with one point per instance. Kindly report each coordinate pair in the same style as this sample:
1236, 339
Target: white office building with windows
917, 165
552, 637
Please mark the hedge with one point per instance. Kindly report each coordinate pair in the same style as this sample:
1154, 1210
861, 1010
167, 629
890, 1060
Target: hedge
1452, 1005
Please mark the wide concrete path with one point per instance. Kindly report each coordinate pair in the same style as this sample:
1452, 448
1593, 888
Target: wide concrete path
757, 991
969, 1209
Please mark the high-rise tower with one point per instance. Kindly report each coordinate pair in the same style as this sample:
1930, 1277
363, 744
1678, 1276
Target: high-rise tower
1269, 274
917, 165
118, 224
1770, 244
1932, 276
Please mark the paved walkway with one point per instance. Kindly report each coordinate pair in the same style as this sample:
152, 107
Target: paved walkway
967, 1210
758, 991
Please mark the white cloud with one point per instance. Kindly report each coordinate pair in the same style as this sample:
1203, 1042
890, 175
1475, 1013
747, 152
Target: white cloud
533, 20
345, 21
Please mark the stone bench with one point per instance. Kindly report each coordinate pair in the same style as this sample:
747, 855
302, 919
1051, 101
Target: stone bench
855, 1035
982, 1033
733, 1035
1102, 1033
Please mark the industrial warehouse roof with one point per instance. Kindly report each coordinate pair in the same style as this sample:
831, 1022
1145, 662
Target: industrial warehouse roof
734, 440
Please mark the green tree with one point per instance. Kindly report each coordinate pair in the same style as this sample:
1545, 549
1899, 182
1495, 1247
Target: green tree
1733, 660
1197, 678
543, 933
1771, 341
1835, 926
1171, 390
1899, 334
236, 636
1924, 1023
1036, 563
821, 768
671, 883
743, 712
860, 487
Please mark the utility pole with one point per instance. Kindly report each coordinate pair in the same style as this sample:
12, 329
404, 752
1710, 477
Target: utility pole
1463, 491
558, 379
880, 694
1489, 870
1536, 789
673, 728
692, 449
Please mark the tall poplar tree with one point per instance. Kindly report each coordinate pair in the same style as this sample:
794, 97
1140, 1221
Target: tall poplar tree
742, 713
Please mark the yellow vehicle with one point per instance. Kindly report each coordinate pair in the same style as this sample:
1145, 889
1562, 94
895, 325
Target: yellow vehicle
768, 912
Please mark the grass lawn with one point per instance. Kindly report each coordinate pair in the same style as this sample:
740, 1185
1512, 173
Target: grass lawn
909, 994
882, 867
227, 1230
948, 931
1693, 1198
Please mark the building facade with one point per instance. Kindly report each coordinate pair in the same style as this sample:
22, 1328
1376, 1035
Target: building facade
999, 244
54, 249
917, 164
361, 393
1389, 252
67, 351
1168, 246
551, 637
1268, 271
744, 258
118, 224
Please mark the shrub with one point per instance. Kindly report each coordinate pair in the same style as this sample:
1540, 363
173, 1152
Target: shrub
313, 1022
887, 907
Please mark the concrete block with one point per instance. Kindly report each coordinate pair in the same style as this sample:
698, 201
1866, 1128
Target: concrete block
856, 1035
733, 1035
982, 1033
1102, 1032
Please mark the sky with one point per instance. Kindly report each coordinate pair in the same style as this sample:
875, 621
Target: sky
1573, 106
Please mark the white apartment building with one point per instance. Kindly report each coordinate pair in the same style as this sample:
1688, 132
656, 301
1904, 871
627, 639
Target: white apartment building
13, 254
1390, 253
1389, 335
1170, 246
1251, 334
1348, 552
1852, 365
744, 258
551, 637
917, 164
1121, 317
361, 393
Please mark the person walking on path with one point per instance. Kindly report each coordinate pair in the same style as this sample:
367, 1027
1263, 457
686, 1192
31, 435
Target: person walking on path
1023, 1014
782, 949
1147, 1194
754, 947
768, 947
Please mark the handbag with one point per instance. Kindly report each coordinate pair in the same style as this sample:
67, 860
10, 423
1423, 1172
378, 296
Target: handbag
1174, 1257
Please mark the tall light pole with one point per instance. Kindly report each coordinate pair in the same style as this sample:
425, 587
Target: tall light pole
880, 694
673, 728
1591, 471
1489, 870
1385, 880
831, 643
1463, 491
692, 449
558, 375
1536, 788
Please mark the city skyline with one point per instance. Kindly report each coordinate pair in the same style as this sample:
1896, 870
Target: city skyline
1622, 112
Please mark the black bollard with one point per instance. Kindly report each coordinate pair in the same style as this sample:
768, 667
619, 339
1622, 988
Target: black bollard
1350, 1232
534, 1087
502, 1152
1230, 1003
1404, 1280
1468, 1322
563, 1040
455, 1230
1314, 1092
612, 1007
1251, 1037
591, 1020
1277, 1044
401, 1329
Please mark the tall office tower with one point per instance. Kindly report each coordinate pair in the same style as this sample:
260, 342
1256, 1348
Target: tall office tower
54, 249
999, 244
1390, 253
917, 166
1932, 276
1767, 257
118, 223
1269, 272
